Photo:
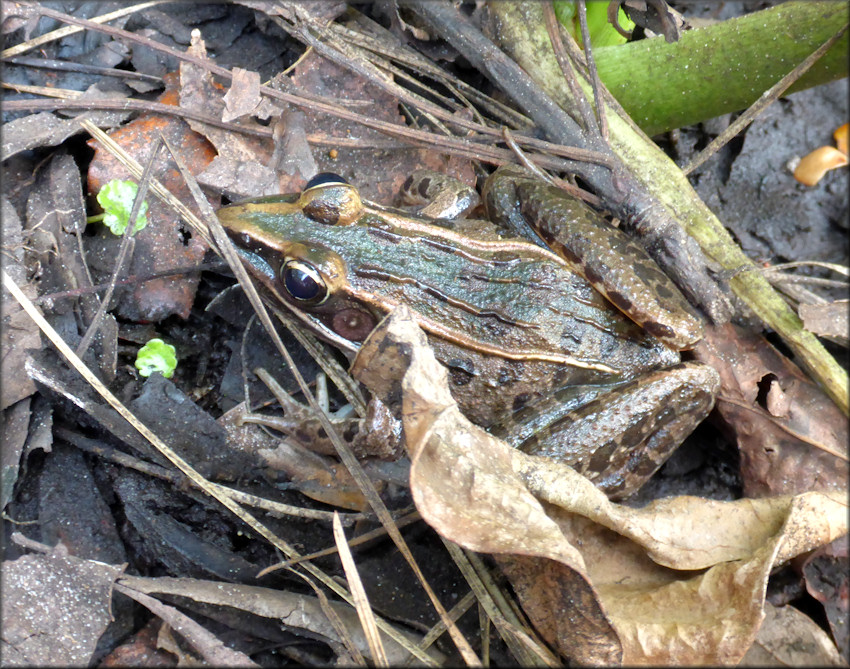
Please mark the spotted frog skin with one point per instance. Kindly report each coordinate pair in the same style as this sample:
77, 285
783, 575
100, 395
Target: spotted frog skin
566, 346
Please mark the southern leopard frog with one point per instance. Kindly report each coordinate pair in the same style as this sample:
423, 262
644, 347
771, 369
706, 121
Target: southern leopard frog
572, 355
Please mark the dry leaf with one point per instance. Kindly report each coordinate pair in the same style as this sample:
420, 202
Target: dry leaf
789, 638
243, 96
791, 436
828, 320
291, 610
603, 583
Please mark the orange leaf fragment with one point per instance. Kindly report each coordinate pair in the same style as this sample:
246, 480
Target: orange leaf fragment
813, 166
840, 137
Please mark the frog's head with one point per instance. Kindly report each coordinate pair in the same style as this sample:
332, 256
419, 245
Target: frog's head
286, 243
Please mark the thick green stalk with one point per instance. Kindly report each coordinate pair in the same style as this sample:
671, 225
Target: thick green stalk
520, 30
724, 67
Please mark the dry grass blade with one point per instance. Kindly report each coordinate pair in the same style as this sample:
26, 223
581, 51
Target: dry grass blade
403, 521
123, 251
345, 453
46, 91
767, 98
358, 592
227, 250
60, 33
498, 612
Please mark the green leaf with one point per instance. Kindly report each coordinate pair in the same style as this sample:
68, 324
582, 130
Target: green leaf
601, 32
116, 197
157, 356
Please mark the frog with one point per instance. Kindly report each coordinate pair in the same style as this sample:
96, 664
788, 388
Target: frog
559, 333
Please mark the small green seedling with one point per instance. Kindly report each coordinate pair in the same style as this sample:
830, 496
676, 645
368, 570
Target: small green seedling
116, 197
157, 356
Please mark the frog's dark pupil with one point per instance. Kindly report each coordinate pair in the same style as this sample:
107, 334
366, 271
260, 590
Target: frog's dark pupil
324, 178
303, 283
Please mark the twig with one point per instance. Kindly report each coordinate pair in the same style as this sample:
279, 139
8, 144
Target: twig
594, 76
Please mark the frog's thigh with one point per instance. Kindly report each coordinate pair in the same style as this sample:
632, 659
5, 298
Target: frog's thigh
620, 439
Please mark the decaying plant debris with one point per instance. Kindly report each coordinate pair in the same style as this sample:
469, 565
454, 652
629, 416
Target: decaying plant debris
114, 485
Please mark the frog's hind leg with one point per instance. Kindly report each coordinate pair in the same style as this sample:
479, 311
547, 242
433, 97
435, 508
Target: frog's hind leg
620, 439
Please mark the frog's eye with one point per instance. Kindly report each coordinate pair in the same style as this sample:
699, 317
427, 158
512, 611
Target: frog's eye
324, 178
330, 200
303, 282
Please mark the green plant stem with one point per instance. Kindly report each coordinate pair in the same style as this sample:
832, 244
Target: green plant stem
724, 67
520, 30
97, 218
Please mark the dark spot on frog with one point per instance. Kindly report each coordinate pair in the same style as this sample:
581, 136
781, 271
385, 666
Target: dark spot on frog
594, 274
619, 300
566, 253
303, 436
350, 432
601, 457
506, 375
384, 235
461, 372
321, 434
663, 291
658, 329
650, 274
520, 401
424, 185
407, 183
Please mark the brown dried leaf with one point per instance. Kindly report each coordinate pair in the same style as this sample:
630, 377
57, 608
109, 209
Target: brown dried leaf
163, 244
828, 320
19, 333
291, 610
789, 638
55, 608
803, 445
602, 582
46, 129
243, 96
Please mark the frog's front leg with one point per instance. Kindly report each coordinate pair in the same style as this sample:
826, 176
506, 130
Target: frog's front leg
621, 438
613, 263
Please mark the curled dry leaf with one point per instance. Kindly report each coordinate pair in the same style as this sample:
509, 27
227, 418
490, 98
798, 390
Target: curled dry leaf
791, 436
243, 96
603, 583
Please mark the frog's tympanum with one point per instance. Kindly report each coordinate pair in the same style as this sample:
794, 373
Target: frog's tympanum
566, 345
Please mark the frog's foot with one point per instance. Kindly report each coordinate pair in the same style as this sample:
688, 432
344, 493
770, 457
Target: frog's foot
620, 439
